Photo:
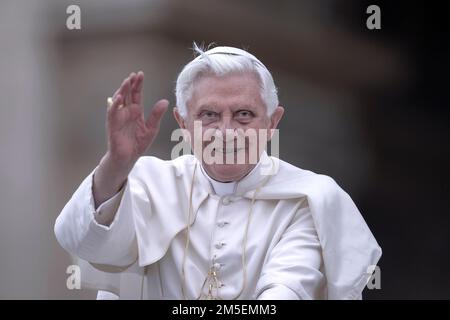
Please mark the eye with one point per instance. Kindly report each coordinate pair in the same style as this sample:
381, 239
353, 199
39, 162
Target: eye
208, 115
244, 115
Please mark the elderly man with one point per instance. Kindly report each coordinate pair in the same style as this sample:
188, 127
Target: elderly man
217, 224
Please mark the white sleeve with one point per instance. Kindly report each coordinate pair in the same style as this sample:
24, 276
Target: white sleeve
106, 212
106, 295
278, 292
102, 236
293, 269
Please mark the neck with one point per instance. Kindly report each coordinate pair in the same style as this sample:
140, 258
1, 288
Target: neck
231, 179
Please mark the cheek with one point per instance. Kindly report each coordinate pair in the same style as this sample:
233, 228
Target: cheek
189, 131
259, 124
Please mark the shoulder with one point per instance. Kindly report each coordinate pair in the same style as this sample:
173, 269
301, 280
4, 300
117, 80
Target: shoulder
290, 181
288, 173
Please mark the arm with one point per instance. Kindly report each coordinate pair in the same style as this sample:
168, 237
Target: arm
129, 136
104, 235
292, 270
96, 224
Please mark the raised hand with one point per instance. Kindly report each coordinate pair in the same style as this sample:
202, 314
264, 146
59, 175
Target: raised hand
129, 135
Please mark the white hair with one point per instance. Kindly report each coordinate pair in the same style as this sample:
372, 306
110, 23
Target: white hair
220, 61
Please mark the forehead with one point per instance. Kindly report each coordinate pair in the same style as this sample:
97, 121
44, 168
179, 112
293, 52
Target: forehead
234, 89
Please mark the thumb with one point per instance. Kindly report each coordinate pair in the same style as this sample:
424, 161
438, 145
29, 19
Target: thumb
156, 114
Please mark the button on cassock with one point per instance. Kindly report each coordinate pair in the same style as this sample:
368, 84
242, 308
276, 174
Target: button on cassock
226, 201
219, 245
222, 224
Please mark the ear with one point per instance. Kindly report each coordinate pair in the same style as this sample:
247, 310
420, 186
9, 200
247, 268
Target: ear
179, 119
275, 119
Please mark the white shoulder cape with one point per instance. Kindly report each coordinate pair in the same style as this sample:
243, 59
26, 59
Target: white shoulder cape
349, 248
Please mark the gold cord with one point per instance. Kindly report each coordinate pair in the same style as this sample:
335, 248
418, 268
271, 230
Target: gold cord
186, 247
244, 245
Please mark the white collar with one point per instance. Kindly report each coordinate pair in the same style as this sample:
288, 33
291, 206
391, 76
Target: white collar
220, 188
227, 188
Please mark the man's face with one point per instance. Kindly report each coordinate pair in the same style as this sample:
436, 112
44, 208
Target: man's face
222, 105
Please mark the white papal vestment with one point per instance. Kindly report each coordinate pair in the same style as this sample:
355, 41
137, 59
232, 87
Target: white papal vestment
306, 239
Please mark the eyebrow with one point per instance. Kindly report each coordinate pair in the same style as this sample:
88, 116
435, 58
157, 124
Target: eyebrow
206, 107
246, 107
214, 108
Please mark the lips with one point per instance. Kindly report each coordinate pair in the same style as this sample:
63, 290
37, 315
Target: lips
228, 151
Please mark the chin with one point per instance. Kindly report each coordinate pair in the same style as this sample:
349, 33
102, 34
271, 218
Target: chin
227, 172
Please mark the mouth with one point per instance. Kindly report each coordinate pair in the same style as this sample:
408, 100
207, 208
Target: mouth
228, 151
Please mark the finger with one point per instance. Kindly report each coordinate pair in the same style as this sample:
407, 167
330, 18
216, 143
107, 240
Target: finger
128, 95
156, 114
120, 89
140, 75
132, 78
136, 90
126, 92
116, 104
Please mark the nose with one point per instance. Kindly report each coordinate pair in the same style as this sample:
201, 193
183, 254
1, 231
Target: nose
224, 125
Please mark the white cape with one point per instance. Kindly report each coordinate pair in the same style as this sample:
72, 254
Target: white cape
348, 247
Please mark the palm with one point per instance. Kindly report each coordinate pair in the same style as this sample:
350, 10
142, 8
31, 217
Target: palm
129, 134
